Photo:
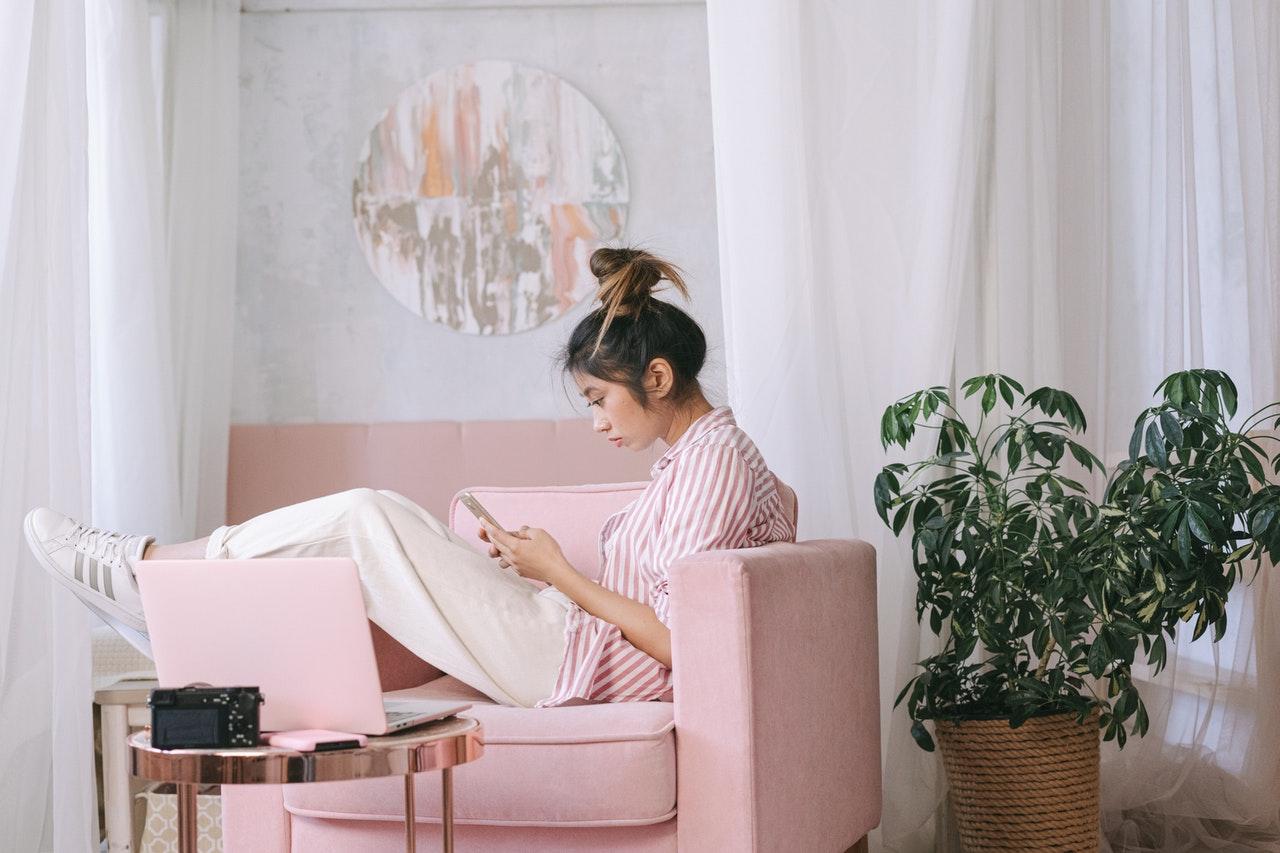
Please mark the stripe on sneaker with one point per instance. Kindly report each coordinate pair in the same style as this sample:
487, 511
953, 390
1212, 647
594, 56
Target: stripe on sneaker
80, 567
106, 582
93, 574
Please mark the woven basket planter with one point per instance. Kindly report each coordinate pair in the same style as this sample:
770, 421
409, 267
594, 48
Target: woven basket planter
1030, 788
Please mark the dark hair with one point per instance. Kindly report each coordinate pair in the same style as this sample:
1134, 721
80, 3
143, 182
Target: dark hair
617, 341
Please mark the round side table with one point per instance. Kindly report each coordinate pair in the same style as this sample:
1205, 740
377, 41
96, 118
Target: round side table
439, 745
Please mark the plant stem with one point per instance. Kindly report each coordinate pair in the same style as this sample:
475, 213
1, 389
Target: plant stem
1044, 659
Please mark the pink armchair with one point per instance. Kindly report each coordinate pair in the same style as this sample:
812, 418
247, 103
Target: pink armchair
772, 741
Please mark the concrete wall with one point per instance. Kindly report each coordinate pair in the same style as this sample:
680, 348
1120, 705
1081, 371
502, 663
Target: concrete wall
317, 336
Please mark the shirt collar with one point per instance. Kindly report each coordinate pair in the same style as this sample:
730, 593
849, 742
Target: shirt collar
716, 417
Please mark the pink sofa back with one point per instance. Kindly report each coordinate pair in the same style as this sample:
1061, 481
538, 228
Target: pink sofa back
273, 465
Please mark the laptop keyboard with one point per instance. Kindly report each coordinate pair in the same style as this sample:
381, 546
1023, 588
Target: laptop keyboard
394, 717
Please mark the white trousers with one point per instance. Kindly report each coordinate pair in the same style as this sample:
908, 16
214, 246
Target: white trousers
447, 601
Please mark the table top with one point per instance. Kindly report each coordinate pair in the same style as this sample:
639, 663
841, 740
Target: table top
130, 692
431, 746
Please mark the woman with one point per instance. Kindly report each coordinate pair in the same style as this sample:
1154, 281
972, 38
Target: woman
636, 360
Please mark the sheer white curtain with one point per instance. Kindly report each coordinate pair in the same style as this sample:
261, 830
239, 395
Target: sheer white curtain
201, 105
1129, 229
117, 254
46, 747
847, 141
1081, 194
163, 218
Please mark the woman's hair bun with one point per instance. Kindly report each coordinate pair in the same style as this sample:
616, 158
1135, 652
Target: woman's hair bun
627, 280
628, 277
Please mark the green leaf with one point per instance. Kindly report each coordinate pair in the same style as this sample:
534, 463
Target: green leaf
1098, 659
1198, 526
1184, 542
972, 385
889, 427
1190, 387
989, 398
1172, 429
921, 735
1251, 462
1084, 457
1006, 392
1209, 401
903, 692
1140, 722
900, 518
882, 495
1262, 521
1202, 622
1059, 632
1155, 446
1125, 705
1158, 653
1135, 443
1228, 391
1074, 414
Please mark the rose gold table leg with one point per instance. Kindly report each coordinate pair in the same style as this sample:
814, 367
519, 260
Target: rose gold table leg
446, 813
410, 840
188, 821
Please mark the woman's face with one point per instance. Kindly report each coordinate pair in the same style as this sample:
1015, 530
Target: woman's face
616, 414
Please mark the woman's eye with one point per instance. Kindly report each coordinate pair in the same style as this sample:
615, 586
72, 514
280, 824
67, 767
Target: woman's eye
596, 402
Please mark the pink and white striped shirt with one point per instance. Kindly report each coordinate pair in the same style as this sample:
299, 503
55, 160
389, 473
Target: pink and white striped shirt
711, 490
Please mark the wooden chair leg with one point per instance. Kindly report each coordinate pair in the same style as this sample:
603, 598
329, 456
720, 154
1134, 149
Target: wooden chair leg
860, 846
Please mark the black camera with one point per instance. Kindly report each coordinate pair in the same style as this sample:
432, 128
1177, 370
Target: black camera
204, 717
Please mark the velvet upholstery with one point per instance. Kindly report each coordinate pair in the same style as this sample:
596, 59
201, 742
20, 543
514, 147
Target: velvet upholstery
772, 741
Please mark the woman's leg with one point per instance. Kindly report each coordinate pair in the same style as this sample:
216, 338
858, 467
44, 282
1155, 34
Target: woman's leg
193, 550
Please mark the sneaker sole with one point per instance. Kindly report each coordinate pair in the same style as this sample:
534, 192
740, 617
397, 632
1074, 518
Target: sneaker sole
108, 610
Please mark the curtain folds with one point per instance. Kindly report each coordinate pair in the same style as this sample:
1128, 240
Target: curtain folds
118, 140
46, 741
163, 220
1077, 194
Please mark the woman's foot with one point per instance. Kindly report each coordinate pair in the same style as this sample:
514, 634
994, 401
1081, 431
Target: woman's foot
95, 565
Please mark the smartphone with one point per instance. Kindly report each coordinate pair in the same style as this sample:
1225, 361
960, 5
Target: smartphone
477, 509
316, 740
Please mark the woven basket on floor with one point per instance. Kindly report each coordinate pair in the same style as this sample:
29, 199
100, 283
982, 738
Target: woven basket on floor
1026, 789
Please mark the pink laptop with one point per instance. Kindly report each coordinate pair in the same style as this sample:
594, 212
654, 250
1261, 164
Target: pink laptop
293, 626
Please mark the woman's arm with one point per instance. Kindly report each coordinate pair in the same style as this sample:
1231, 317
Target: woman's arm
638, 622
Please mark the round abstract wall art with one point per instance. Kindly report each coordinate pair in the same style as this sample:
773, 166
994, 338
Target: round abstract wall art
481, 193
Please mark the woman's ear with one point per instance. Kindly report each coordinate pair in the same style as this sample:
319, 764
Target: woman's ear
658, 379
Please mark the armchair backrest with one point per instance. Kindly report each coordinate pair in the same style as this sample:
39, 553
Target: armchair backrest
572, 514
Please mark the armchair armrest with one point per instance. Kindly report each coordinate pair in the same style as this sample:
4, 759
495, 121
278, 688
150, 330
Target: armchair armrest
776, 685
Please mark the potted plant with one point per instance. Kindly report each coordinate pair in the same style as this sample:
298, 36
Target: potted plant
1043, 595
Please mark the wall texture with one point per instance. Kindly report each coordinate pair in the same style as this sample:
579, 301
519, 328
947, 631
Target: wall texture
318, 339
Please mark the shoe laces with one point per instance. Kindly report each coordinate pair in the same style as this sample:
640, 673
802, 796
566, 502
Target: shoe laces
105, 545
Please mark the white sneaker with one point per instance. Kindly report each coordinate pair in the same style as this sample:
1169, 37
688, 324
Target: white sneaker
94, 564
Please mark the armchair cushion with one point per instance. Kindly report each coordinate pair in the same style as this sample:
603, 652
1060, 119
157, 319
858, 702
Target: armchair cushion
583, 765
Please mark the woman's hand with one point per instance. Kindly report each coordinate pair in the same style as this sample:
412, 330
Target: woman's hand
531, 551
